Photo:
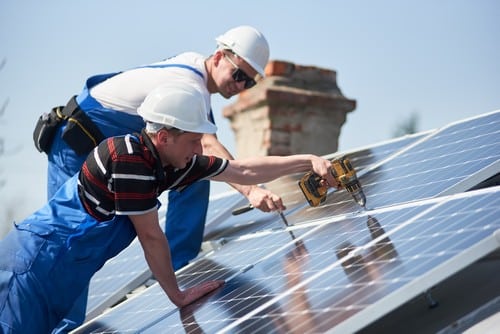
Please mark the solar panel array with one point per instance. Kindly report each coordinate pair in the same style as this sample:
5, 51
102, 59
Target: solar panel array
337, 267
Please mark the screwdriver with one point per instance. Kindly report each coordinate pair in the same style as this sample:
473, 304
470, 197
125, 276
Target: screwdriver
249, 207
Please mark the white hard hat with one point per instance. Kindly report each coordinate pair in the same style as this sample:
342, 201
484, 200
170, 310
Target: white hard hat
180, 106
248, 43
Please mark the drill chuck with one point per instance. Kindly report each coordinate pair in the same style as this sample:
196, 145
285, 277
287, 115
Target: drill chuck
353, 187
359, 197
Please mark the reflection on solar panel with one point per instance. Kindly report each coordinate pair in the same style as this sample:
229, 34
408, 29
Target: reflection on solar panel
339, 273
339, 268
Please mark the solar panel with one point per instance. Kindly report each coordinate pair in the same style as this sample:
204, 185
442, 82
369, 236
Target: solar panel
447, 161
118, 277
367, 282
286, 187
339, 267
232, 225
340, 273
220, 206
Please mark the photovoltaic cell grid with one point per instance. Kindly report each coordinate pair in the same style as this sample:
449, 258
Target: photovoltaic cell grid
118, 277
221, 224
245, 223
475, 140
377, 276
222, 265
220, 206
367, 157
424, 169
338, 274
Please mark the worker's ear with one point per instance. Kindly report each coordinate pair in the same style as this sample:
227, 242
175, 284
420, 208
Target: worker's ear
218, 55
162, 136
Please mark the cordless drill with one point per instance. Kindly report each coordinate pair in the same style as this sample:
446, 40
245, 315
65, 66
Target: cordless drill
344, 174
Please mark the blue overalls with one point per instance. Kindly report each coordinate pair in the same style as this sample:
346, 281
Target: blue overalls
186, 211
49, 258
63, 163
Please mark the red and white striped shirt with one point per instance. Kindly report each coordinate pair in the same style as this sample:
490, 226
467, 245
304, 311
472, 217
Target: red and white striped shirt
124, 176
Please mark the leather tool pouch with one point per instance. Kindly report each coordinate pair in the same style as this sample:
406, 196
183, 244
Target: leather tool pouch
80, 133
46, 127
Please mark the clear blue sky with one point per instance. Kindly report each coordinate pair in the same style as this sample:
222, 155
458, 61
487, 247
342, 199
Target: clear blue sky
437, 58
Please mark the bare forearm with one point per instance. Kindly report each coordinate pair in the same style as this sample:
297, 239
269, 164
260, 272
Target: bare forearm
157, 254
265, 169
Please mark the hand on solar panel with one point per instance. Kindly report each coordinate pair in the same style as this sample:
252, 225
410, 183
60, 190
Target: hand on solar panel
194, 293
157, 253
187, 314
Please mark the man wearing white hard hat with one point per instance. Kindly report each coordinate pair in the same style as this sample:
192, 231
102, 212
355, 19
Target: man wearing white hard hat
50, 257
107, 107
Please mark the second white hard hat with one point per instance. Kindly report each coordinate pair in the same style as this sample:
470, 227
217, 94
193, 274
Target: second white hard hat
178, 105
248, 43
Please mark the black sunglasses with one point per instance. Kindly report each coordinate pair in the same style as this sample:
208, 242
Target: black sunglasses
239, 75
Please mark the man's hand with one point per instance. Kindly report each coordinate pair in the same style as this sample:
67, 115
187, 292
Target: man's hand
265, 200
196, 292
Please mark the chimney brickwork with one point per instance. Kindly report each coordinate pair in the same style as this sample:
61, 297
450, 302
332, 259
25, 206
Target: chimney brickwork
295, 109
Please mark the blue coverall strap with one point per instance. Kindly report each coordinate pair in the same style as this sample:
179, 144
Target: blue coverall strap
176, 65
134, 137
84, 99
96, 79
86, 102
211, 117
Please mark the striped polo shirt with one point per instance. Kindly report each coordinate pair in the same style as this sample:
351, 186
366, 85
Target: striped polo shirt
123, 175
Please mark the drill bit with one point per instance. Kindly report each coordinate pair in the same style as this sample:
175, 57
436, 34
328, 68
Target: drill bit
282, 216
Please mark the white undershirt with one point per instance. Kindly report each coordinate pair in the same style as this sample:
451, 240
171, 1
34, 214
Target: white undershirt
127, 90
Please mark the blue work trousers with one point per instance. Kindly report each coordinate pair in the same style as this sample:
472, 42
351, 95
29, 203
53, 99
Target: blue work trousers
185, 223
49, 258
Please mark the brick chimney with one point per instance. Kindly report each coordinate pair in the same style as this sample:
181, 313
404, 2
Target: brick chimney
295, 109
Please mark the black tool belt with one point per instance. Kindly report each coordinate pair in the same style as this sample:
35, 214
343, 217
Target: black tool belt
80, 133
46, 128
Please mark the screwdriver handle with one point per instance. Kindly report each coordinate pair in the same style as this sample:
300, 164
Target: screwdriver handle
243, 209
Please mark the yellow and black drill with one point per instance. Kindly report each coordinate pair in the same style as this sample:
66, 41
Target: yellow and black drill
344, 174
